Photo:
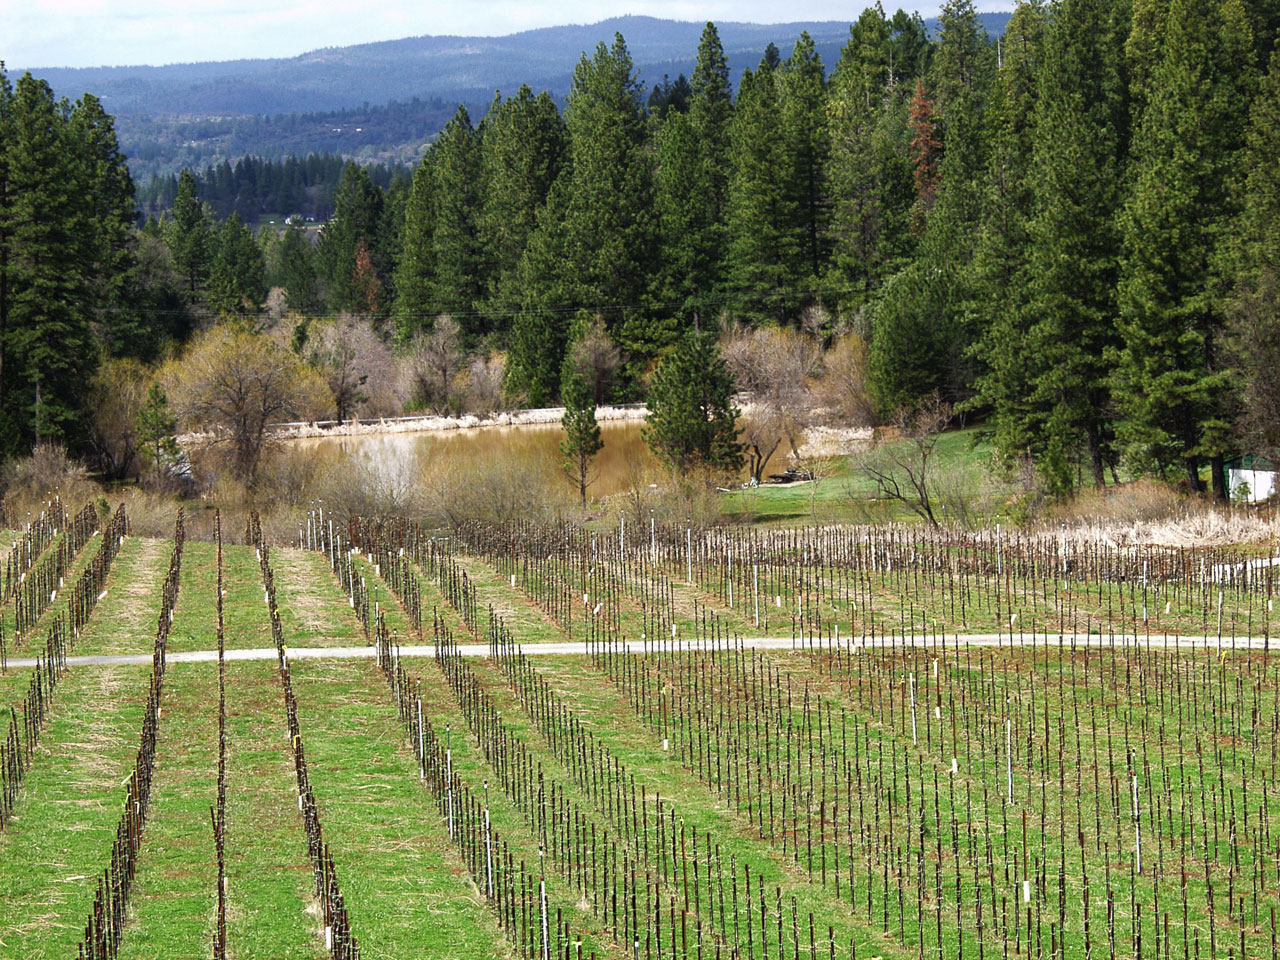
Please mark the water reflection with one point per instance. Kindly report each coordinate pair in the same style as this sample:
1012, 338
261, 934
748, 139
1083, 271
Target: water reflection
625, 460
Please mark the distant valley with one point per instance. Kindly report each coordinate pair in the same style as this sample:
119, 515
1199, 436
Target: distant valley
382, 101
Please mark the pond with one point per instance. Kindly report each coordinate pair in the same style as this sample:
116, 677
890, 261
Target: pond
624, 462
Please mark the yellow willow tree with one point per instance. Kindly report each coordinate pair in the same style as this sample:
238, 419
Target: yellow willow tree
233, 383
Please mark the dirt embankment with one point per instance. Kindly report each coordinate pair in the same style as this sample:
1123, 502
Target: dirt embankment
425, 424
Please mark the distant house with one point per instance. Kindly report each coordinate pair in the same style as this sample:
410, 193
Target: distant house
1251, 479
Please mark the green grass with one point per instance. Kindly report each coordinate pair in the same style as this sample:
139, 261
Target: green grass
33, 641
124, 621
171, 905
271, 908
468, 761
408, 892
960, 463
405, 883
65, 820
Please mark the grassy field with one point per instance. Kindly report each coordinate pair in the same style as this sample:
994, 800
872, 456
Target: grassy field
923, 799
962, 466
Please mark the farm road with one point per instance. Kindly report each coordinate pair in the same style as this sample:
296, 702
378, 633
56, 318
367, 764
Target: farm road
1067, 640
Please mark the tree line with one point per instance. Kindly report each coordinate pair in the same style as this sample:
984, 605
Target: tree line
253, 187
1070, 231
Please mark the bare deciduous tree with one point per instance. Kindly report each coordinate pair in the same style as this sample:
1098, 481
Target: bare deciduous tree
902, 468
351, 355
485, 387
842, 390
774, 367
594, 356
435, 359
117, 396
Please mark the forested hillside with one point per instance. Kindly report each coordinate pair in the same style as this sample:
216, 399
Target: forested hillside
1072, 233
385, 101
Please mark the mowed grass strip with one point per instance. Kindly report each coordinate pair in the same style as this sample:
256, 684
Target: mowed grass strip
33, 640
172, 901
118, 623
605, 712
312, 612
245, 615
271, 908
124, 621
521, 614
406, 887
471, 767
65, 822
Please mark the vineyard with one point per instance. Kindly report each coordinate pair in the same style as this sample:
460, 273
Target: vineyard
533, 741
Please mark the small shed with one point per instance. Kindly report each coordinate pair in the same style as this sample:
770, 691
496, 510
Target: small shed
1250, 478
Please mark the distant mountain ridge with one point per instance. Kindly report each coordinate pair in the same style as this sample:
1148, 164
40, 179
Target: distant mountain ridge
445, 68
384, 101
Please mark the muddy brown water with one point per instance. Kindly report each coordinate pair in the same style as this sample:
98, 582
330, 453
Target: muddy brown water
624, 462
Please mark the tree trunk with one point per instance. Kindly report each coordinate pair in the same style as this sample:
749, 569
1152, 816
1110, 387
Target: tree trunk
1218, 468
1193, 474
1095, 457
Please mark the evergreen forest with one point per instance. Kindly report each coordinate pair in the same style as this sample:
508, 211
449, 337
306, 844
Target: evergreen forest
1069, 234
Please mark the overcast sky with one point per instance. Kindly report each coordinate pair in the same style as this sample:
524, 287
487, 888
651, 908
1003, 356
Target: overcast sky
85, 33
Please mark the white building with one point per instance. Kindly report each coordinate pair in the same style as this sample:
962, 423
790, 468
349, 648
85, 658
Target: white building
1251, 479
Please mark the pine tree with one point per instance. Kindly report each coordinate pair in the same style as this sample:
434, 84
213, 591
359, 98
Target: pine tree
297, 272
189, 236
49, 351
692, 422
691, 187
236, 279
415, 272
915, 343
107, 192
689, 264
9, 439
803, 90
157, 428
1172, 385
1080, 145
356, 222
868, 171
763, 244
388, 245
963, 73
1002, 267
581, 441
1255, 311
523, 151
605, 244
608, 225
540, 331
926, 148
710, 112
460, 272
366, 285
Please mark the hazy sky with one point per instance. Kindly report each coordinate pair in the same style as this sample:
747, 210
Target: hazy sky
82, 33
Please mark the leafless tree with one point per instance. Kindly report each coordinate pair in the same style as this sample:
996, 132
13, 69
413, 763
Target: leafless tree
118, 394
842, 389
485, 387
773, 367
350, 354
594, 355
902, 467
235, 383
435, 359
